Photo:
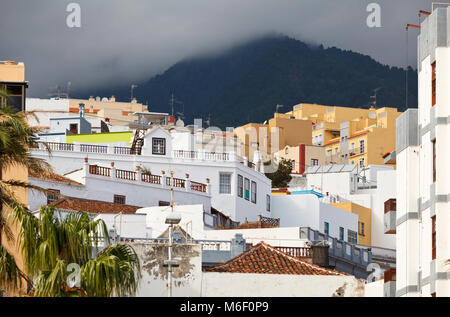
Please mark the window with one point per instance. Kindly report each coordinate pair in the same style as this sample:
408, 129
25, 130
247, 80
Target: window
314, 162
353, 162
329, 152
361, 146
163, 203
119, 199
433, 84
352, 148
341, 234
52, 196
158, 146
225, 184
362, 162
434, 161
352, 237
326, 228
433, 238
15, 97
293, 165
73, 128
254, 192
247, 189
240, 186
336, 151
268, 203
361, 228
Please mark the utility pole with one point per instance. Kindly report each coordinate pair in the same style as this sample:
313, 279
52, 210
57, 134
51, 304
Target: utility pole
171, 220
132, 88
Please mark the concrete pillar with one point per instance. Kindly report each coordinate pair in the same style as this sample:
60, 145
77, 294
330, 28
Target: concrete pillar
245, 160
86, 167
113, 170
76, 147
110, 149
163, 179
138, 174
208, 187
188, 183
237, 245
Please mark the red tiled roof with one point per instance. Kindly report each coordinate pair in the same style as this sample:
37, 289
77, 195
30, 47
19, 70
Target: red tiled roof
53, 177
93, 206
359, 133
333, 141
264, 259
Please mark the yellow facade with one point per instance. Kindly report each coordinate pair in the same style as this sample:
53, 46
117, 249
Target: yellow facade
364, 220
369, 139
11, 72
256, 136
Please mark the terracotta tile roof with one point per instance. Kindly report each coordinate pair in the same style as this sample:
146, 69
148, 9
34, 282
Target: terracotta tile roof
333, 141
264, 259
386, 154
53, 177
359, 133
93, 206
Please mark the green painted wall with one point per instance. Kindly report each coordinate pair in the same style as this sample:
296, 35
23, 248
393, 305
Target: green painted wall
101, 137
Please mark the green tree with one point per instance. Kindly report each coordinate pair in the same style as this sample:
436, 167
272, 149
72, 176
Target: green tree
51, 242
281, 177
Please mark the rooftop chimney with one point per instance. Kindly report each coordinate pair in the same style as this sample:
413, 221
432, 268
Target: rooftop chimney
112, 99
81, 109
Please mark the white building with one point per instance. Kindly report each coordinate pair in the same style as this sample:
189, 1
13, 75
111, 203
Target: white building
423, 179
369, 187
308, 211
239, 189
108, 184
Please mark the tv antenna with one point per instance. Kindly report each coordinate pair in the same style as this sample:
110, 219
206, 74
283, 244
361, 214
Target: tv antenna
132, 88
374, 97
278, 107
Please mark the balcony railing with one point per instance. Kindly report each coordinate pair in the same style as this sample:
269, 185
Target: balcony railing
128, 175
122, 150
198, 187
296, 252
177, 182
53, 146
99, 170
152, 179
91, 148
356, 152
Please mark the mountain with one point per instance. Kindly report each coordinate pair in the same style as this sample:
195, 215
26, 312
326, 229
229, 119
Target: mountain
245, 83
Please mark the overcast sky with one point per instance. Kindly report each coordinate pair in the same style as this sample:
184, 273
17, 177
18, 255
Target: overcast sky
132, 40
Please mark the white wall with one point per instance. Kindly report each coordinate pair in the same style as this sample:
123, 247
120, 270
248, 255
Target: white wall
237, 208
307, 211
278, 285
374, 289
127, 225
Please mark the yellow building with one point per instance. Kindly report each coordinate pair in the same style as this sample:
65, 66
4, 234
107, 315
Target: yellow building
302, 156
364, 220
108, 109
12, 81
270, 138
364, 141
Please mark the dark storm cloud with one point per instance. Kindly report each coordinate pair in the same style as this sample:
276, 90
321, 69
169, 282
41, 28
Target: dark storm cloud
120, 40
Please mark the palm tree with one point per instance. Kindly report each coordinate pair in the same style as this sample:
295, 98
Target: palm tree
49, 243
53, 244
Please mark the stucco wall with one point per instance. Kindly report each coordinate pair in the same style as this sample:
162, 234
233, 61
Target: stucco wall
187, 278
277, 285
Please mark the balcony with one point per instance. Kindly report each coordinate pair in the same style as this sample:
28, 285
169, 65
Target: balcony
356, 152
390, 279
390, 216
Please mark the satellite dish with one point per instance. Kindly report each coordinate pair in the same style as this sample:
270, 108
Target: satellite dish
104, 99
179, 123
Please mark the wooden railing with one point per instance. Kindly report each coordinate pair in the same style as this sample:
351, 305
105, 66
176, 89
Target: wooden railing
100, 170
128, 175
177, 182
296, 252
199, 187
390, 205
152, 179
91, 148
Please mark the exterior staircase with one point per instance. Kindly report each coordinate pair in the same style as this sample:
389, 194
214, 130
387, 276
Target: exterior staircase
138, 142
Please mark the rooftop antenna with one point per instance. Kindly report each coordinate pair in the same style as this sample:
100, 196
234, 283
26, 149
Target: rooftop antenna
374, 97
132, 88
278, 107
172, 101
408, 26
208, 121
69, 84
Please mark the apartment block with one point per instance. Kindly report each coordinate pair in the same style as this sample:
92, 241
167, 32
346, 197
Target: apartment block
423, 187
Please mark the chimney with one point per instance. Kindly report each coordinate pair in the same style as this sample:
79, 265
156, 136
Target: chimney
134, 100
112, 99
320, 255
81, 108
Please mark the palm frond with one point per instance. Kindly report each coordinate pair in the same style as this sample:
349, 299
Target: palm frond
10, 274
